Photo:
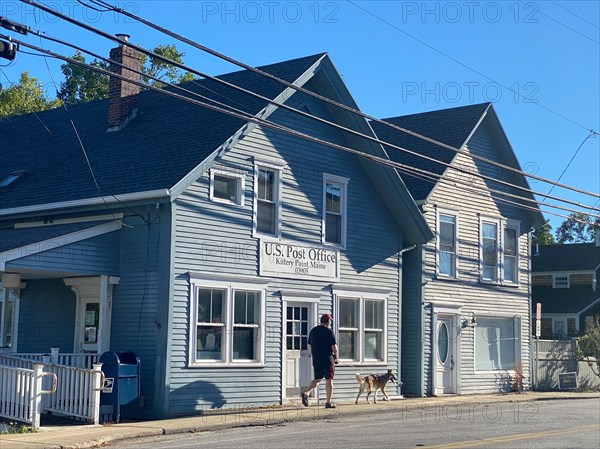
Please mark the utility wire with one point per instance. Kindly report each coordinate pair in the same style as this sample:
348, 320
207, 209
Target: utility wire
575, 14
284, 82
178, 87
250, 118
33, 112
590, 135
563, 24
558, 114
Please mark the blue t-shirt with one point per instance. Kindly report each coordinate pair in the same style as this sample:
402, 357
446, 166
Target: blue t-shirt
321, 339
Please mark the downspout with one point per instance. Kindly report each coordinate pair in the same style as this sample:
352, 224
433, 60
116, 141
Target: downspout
400, 324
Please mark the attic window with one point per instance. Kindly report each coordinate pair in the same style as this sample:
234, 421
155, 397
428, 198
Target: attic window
10, 179
227, 186
560, 281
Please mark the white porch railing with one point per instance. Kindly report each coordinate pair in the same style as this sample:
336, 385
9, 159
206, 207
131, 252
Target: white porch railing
82, 360
75, 393
78, 392
21, 393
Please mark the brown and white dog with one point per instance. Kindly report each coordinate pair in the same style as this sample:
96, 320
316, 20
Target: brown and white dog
374, 382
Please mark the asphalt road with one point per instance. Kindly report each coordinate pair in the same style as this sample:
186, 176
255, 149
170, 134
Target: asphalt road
542, 424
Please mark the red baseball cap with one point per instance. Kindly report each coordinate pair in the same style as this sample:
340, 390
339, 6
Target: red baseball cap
326, 318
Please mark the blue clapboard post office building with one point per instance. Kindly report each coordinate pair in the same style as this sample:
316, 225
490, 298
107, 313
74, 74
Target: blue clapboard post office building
207, 244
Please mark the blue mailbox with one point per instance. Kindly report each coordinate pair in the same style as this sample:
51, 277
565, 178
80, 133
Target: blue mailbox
121, 382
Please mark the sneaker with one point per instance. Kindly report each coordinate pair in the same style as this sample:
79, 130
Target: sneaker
330, 405
304, 397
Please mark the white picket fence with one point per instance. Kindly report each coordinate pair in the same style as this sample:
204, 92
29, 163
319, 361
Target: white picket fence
71, 391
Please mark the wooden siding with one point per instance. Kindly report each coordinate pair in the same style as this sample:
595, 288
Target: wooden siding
475, 297
412, 328
94, 256
136, 323
581, 279
46, 316
541, 279
217, 238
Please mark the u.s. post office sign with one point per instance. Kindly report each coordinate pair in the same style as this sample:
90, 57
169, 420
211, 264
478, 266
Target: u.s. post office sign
292, 260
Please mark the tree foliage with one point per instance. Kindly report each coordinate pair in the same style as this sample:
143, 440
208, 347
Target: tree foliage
578, 228
542, 235
589, 344
24, 97
163, 71
82, 84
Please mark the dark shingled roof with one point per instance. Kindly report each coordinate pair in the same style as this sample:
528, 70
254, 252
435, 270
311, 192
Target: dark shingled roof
563, 300
571, 257
17, 238
450, 126
154, 151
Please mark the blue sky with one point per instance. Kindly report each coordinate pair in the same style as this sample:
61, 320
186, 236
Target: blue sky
541, 50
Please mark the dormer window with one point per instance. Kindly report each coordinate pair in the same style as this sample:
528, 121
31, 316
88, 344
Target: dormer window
560, 281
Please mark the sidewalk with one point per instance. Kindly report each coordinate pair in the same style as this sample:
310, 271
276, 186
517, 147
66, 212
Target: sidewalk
84, 436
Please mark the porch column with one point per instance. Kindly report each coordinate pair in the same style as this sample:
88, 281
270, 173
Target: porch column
103, 335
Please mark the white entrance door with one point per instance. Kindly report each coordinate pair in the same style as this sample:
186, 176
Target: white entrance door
93, 312
89, 324
298, 367
445, 363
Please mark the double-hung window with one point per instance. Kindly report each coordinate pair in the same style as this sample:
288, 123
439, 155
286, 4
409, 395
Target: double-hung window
500, 251
447, 245
361, 327
334, 209
497, 343
489, 251
227, 322
267, 198
510, 272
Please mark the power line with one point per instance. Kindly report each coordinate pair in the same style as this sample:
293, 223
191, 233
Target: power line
464, 65
300, 89
33, 112
465, 171
250, 118
564, 24
575, 14
590, 135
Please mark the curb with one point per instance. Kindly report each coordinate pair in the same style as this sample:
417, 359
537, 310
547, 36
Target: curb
274, 416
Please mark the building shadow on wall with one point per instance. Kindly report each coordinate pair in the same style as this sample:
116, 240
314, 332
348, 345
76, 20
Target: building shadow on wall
199, 396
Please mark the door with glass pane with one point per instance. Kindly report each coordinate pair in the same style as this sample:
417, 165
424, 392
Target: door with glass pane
298, 366
8, 310
89, 325
445, 357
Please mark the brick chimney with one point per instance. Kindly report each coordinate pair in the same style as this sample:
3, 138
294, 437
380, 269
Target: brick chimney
122, 96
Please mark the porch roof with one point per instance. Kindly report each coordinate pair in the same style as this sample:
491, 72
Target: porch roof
16, 243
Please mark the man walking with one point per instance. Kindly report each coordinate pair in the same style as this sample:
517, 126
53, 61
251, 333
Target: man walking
324, 350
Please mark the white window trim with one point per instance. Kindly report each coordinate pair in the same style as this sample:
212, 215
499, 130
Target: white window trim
518, 354
516, 225
555, 276
239, 175
344, 208
497, 222
361, 296
278, 169
229, 284
453, 213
